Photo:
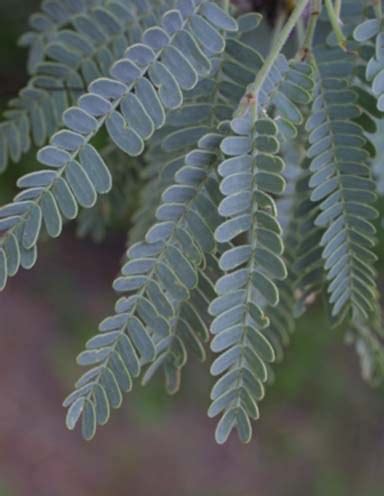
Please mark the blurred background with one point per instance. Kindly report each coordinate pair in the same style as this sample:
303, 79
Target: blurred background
321, 431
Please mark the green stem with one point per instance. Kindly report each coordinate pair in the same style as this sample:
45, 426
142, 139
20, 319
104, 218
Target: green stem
378, 8
277, 48
281, 18
300, 32
311, 29
338, 7
335, 22
226, 5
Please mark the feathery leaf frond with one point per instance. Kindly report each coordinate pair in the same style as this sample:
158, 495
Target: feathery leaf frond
251, 176
160, 278
145, 84
341, 180
66, 57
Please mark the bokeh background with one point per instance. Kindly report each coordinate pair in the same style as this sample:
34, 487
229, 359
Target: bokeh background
321, 431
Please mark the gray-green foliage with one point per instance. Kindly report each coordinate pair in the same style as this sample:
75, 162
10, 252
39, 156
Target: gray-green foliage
253, 179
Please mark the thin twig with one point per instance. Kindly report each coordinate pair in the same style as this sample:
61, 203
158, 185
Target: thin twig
306, 48
378, 8
335, 22
338, 4
276, 50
